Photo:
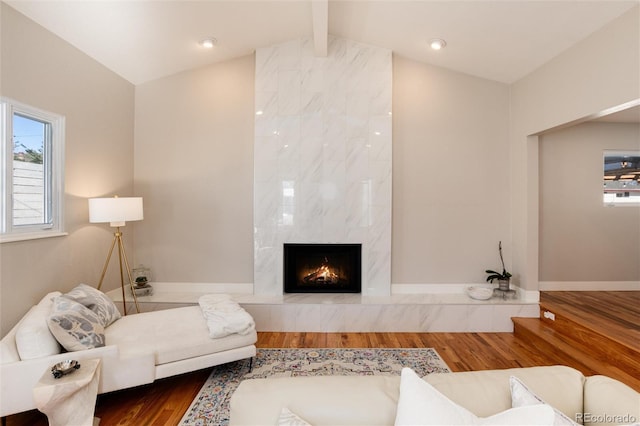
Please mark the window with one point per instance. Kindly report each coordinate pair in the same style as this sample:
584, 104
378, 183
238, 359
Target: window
32, 170
621, 178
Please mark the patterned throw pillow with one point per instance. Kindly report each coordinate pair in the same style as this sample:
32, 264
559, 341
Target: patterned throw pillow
74, 326
97, 301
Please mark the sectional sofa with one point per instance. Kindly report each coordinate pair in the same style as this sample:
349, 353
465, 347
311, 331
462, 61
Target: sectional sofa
383, 400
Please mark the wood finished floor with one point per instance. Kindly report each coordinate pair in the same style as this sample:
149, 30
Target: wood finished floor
165, 401
613, 313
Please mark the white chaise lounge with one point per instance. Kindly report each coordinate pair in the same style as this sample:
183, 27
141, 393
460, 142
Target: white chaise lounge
138, 349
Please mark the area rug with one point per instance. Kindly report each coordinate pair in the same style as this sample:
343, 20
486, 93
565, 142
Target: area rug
211, 405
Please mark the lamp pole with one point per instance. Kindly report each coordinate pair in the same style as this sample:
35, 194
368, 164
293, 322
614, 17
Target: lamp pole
122, 255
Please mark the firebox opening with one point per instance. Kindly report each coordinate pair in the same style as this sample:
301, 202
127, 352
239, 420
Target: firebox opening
322, 268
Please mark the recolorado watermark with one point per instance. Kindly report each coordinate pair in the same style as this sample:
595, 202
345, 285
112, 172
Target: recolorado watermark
605, 418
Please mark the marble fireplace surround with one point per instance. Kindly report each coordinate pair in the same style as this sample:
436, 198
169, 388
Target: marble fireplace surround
322, 168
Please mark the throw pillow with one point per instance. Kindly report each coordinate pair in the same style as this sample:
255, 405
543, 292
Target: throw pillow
97, 301
33, 338
288, 418
522, 396
422, 404
9, 351
75, 326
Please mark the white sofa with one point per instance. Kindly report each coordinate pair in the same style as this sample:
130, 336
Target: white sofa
138, 349
372, 400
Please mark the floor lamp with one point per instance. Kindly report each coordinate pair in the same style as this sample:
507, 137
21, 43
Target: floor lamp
117, 211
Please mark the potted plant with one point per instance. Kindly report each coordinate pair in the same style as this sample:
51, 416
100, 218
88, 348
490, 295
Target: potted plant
504, 277
141, 282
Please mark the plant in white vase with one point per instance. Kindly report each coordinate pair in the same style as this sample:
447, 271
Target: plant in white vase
502, 278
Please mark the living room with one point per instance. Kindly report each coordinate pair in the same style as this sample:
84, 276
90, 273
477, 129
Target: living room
468, 167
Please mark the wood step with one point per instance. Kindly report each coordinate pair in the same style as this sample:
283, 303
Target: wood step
615, 315
575, 349
594, 339
532, 332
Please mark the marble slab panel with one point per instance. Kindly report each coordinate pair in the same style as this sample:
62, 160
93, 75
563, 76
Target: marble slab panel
322, 165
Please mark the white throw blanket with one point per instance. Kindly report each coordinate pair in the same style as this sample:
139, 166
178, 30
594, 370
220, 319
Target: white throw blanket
224, 316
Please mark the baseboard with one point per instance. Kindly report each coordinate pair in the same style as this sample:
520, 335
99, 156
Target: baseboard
177, 287
589, 285
531, 296
396, 289
429, 288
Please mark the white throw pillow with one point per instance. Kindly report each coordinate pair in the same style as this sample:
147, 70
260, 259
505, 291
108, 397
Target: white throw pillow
75, 326
522, 396
97, 301
9, 351
422, 404
33, 338
288, 418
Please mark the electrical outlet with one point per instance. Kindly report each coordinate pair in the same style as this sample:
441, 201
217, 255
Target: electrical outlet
549, 315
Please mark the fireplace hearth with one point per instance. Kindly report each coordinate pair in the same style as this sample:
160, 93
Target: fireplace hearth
322, 268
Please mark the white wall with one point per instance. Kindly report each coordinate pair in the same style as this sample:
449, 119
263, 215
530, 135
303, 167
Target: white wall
451, 201
194, 168
39, 69
581, 239
598, 73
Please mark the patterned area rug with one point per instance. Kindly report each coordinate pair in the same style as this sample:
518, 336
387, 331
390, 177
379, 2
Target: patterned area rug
211, 405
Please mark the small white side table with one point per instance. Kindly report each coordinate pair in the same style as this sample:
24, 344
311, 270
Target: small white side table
71, 399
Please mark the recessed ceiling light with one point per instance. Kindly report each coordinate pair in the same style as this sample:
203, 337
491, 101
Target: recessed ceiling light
437, 44
208, 43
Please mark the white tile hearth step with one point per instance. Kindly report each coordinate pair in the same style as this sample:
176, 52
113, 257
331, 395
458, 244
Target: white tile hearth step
438, 312
389, 317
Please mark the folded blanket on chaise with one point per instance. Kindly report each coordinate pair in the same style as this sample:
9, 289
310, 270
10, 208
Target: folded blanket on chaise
224, 316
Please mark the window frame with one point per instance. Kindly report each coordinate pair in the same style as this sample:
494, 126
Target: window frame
53, 163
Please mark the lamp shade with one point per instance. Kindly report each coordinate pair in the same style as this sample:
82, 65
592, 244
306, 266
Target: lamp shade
115, 210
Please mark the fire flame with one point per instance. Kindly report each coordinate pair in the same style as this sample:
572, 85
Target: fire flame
322, 275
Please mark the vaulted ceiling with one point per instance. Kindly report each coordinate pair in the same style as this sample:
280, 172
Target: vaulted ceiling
496, 40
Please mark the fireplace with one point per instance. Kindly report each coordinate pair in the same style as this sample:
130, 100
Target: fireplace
322, 268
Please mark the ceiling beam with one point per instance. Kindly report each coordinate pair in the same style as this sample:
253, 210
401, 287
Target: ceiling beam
320, 17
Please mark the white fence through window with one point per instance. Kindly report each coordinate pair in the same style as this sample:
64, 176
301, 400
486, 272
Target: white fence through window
28, 193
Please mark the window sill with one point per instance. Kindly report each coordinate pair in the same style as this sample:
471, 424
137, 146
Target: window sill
629, 204
10, 238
